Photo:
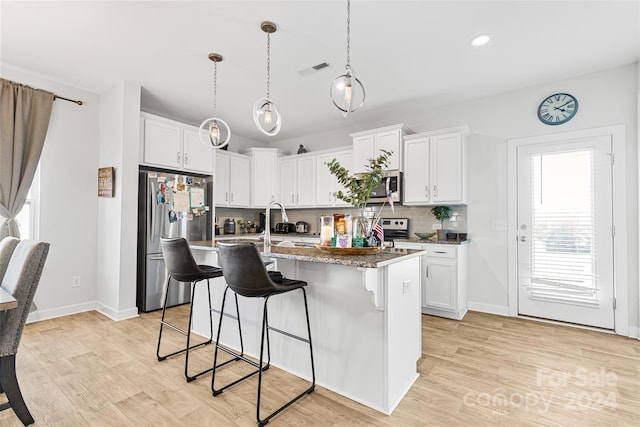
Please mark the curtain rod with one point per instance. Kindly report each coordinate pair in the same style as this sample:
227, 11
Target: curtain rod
67, 99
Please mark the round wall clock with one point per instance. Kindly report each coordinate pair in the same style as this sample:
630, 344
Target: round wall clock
557, 109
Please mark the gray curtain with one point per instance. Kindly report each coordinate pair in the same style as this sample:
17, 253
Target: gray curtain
24, 119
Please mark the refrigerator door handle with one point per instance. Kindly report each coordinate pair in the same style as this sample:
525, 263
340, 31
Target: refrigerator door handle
151, 220
156, 258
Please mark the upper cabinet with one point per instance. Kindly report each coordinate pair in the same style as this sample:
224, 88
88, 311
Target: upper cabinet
326, 183
297, 181
367, 145
264, 176
435, 167
231, 179
170, 144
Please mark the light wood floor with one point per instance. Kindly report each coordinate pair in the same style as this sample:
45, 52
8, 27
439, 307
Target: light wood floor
86, 370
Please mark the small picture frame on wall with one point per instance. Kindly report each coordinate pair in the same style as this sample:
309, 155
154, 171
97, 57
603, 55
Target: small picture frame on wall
106, 181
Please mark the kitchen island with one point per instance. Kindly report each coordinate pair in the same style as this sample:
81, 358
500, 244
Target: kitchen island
364, 312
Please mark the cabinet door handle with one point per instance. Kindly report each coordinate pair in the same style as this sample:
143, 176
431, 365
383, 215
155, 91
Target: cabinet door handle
186, 158
178, 157
232, 197
330, 195
292, 198
297, 198
427, 271
435, 191
439, 252
226, 196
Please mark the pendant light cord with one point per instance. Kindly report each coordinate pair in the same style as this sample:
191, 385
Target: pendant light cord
268, 63
348, 66
215, 86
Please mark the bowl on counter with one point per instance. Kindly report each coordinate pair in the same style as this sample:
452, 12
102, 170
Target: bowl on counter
425, 236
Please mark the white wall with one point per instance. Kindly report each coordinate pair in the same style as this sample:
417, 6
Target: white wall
605, 98
117, 216
68, 205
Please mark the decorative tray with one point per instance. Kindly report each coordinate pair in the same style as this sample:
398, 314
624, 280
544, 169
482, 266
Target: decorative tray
349, 251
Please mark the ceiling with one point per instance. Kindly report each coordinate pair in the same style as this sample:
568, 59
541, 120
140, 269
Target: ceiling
403, 51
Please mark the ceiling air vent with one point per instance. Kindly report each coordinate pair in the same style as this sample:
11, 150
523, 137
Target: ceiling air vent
312, 70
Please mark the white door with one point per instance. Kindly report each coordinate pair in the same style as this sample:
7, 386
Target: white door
565, 231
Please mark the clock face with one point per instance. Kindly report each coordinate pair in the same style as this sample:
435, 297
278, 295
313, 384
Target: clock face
557, 109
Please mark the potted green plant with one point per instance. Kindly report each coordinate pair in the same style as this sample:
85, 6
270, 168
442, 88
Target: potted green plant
441, 213
358, 188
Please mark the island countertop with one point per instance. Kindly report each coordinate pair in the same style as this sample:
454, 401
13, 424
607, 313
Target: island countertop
311, 254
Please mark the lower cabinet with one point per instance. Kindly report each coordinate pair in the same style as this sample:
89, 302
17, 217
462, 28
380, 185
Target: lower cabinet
443, 278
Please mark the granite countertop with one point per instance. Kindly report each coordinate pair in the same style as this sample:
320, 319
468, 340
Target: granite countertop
433, 242
311, 254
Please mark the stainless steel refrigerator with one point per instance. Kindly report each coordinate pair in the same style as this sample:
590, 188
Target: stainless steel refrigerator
170, 204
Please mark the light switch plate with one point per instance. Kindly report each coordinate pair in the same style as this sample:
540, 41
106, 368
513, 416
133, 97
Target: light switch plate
498, 226
436, 226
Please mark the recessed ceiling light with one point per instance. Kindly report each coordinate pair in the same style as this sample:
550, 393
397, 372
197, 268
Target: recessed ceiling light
480, 40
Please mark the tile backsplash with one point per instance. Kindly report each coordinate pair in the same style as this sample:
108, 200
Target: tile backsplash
420, 217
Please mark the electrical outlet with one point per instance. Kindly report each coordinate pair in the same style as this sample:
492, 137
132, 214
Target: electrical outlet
436, 226
405, 286
75, 282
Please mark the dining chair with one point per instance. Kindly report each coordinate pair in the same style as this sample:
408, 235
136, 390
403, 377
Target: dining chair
246, 275
21, 281
7, 246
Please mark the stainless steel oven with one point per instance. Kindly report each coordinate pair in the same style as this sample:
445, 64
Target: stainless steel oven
395, 228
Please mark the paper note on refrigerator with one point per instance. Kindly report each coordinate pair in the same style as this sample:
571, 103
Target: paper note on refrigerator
181, 201
197, 197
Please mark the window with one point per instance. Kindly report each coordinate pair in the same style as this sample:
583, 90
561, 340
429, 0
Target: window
27, 218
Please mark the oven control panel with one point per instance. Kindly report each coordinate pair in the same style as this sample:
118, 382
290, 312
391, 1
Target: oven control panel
400, 224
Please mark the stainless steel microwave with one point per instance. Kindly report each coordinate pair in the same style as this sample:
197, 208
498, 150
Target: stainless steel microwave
390, 184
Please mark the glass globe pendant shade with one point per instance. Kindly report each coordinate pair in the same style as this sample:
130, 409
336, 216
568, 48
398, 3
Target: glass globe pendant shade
266, 116
347, 93
214, 132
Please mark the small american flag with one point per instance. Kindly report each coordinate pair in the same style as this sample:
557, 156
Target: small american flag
390, 201
379, 231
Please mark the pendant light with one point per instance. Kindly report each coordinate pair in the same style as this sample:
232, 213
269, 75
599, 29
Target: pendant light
347, 92
214, 132
266, 114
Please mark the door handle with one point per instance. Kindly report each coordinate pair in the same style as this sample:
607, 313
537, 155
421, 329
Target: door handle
186, 158
523, 238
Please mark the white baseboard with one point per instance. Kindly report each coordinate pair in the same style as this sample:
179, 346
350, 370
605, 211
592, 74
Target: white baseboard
52, 313
501, 310
116, 315
634, 332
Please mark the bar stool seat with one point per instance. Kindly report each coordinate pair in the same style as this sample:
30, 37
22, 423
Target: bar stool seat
182, 267
246, 275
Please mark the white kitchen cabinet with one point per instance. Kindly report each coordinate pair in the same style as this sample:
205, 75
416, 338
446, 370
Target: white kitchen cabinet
367, 145
174, 145
435, 167
443, 278
264, 176
231, 179
326, 183
297, 181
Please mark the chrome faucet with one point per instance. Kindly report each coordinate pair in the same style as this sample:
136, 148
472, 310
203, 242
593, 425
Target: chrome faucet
267, 223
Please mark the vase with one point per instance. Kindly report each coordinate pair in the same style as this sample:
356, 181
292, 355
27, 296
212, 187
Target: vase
442, 235
363, 227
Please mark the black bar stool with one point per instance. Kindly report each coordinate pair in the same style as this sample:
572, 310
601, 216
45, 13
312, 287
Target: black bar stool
183, 268
246, 275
